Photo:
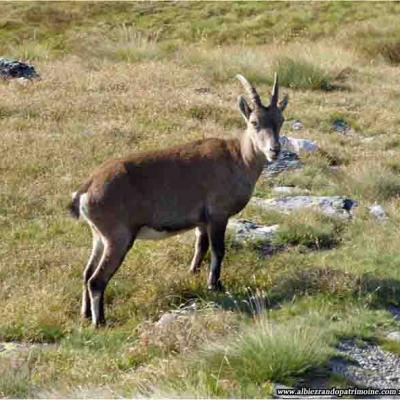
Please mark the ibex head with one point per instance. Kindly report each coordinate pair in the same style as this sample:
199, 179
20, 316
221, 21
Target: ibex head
263, 122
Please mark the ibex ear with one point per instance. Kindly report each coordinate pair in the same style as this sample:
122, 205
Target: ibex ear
284, 102
244, 107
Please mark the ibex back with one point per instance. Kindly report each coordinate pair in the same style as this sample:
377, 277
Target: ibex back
155, 195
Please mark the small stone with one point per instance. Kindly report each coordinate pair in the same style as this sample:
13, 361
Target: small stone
340, 126
296, 125
395, 311
247, 231
166, 319
378, 212
298, 145
288, 190
395, 336
368, 139
203, 90
283, 189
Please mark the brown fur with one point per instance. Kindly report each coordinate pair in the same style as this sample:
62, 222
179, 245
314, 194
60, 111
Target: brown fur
173, 189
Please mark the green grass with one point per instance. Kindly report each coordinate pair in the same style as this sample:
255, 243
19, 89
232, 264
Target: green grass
15, 380
319, 232
299, 74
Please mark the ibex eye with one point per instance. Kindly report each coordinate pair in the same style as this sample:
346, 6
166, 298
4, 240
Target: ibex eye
255, 123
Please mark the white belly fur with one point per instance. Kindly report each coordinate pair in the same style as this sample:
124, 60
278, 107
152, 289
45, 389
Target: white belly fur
146, 233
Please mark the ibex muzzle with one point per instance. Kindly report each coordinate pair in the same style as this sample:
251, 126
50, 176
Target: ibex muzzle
199, 186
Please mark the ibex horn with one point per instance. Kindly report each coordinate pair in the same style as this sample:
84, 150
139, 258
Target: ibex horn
275, 91
251, 91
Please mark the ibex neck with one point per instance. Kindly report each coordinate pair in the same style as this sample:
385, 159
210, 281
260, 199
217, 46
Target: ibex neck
253, 158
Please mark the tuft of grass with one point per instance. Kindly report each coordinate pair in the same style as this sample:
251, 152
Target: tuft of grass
302, 74
263, 352
221, 65
379, 40
15, 380
377, 184
126, 44
317, 234
269, 351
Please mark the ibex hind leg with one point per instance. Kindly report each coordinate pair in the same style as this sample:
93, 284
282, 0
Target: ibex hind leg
97, 252
95, 257
200, 249
116, 245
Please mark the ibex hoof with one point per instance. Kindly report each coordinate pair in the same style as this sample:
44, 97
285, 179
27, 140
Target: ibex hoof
99, 324
216, 287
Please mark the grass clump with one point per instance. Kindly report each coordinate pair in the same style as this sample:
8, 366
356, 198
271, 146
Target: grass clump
271, 352
319, 233
378, 184
15, 380
380, 39
247, 363
220, 65
131, 46
301, 74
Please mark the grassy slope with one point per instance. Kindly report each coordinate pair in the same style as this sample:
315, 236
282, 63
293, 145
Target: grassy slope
123, 77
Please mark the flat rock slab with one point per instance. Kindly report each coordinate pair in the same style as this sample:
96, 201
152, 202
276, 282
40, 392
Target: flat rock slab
336, 206
245, 231
281, 190
371, 367
12, 348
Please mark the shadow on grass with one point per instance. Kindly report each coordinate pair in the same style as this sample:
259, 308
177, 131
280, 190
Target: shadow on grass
377, 292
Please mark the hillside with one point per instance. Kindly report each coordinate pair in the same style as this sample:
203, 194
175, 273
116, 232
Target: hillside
120, 77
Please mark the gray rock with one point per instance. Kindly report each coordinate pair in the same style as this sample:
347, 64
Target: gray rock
184, 311
296, 125
167, 319
283, 189
287, 160
395, 336
16, 69
298, 145
329, 205
340, 126
378, 212
247, 231
368, 139
395, 311
288, 190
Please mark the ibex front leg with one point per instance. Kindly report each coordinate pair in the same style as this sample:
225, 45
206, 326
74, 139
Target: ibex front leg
216, 233
200, 249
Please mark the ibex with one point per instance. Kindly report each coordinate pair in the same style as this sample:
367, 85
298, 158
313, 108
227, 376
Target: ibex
159, 194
